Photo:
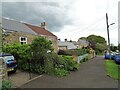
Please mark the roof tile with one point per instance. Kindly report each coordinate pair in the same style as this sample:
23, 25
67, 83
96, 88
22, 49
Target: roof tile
39, 30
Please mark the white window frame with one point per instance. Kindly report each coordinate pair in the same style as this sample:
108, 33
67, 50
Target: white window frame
24, 42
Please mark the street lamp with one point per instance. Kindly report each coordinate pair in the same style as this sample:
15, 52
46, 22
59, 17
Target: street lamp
111, 24
108, 33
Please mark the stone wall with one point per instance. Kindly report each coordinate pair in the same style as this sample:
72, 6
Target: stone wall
15, 36
54, 42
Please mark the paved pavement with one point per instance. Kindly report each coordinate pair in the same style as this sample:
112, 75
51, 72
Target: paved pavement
91, 74
20, 78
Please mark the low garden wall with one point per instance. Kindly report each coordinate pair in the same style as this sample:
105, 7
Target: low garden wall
85, 57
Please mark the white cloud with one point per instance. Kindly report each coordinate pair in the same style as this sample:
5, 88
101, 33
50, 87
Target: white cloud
86, 17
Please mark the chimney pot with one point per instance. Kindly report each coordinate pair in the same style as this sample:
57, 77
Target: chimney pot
65, 40
43, 25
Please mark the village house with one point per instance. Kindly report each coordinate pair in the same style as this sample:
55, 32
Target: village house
71, 45
80, 43
19, 32
66, 45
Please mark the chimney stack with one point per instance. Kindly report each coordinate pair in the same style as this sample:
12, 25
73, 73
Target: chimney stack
65, 39
43, 25
59, 39
70, 40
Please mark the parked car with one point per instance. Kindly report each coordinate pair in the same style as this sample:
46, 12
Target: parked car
117, 58
10, 62
113, 55
110, 55
107, 55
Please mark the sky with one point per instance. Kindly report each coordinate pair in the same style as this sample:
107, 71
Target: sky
69, 19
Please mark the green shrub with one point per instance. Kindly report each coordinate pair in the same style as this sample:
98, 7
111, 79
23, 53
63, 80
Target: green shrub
68, 63
60, 72
77, 52
37, 69
34, 57
30, 57
6, 85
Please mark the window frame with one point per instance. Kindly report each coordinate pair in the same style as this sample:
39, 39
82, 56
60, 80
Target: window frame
23, 41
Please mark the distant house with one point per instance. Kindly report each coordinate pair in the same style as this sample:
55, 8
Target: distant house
63, 45
80, 43
83, 43
16, 31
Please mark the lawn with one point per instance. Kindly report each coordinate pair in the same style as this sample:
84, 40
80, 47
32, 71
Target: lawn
112, 69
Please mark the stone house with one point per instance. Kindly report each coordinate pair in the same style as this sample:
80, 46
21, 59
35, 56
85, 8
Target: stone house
83, 43
41, 31
73, 44
80, 43
16, 31
64, 45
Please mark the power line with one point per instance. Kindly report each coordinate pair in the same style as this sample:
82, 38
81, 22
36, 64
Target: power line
86, 28
91, 25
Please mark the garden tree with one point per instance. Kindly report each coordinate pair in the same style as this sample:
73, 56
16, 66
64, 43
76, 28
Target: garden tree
39, 48
97, 43
112, 47
83, 38
100, 47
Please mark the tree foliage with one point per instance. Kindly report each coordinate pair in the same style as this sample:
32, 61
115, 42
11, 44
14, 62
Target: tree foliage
97, 43
83, 38
34, 58
113, 47
39, 48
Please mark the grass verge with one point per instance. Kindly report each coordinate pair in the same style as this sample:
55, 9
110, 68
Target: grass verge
113, 69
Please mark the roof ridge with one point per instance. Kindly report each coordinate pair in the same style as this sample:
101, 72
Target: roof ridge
37, 31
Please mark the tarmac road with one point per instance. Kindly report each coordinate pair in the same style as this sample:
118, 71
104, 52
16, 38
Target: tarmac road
91, 74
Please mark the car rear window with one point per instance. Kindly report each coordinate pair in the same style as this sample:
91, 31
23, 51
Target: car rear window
8, 58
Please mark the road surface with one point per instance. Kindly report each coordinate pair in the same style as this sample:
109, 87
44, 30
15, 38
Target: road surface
91, 74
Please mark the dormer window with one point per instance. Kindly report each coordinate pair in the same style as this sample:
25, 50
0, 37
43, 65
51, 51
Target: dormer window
23, 40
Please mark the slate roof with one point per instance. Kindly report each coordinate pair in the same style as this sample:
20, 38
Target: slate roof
39, 30
83, 42
12, 25
69, 45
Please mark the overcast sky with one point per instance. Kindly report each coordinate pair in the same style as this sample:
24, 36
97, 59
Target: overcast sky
69, 19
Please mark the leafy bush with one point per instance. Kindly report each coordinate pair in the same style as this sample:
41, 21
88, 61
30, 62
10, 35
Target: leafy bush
67, 63
71, 64
6, 85
34, 58
77, 52
60, 72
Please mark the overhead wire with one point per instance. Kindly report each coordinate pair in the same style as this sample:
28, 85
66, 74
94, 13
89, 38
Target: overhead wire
91, 25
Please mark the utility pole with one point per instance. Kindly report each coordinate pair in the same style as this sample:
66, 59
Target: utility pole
108, 34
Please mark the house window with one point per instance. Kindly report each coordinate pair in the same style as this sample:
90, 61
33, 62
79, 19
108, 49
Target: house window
23, 40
